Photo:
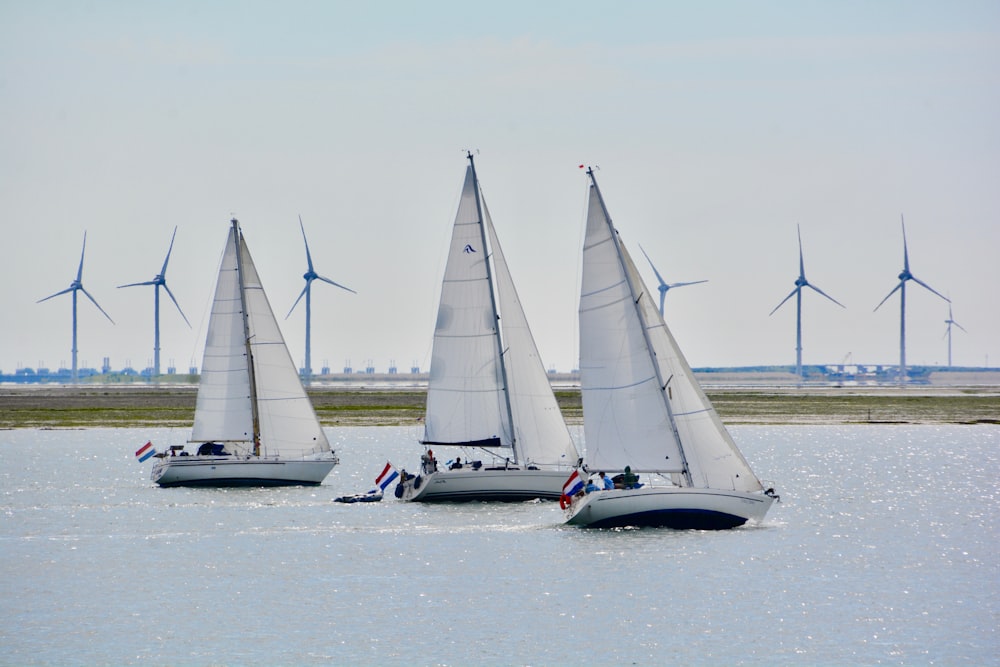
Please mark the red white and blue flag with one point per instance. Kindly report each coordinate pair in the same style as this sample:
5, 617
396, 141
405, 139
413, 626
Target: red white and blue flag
145, 452
387, 477
573, 485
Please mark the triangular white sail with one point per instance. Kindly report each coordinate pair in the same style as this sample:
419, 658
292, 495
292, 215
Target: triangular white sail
642, 406
465, 401
474, 393
541, 435
224, 412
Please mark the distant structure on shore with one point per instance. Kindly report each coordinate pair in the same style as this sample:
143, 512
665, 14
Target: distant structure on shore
833, 374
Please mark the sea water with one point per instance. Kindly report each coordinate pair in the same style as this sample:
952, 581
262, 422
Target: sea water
882, 551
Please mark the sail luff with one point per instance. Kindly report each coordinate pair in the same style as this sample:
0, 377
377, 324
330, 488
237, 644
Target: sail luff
251, 372
501, 360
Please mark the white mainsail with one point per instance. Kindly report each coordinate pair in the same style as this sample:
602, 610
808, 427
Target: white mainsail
287, 423
642, 406
487, 383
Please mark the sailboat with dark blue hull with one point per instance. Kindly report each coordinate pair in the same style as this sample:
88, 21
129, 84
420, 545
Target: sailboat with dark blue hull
647, 422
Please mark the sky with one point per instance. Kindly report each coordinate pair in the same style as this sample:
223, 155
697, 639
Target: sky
716, 128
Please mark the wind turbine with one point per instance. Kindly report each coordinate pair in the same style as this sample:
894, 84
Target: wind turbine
801, 282
160, 281
901, 286
950, 322
74, 287
664, 287
310, 276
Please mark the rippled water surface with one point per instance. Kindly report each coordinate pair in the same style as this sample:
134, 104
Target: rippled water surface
883, 551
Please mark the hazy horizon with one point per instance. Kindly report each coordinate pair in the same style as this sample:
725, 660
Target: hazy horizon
716, 130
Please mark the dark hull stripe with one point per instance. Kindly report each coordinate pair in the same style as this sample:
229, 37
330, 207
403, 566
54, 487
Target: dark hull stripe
680, 519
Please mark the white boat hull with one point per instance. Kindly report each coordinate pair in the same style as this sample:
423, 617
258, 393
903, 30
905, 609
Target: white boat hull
497, 484
669, 507
233, 471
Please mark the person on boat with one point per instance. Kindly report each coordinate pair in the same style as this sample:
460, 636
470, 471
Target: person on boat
428, 462
591, 486
630, 480
606, 482
457, 464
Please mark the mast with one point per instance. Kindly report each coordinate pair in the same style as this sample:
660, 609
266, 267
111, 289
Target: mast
238, 240
645, 329
496, 313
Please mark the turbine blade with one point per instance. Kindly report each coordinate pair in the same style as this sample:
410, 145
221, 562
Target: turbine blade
171, 295
906, 255
791, 294
68, 289
163, 271
826, 295
663, 297
148, 282
301, 294
925, 285
79, 271
94, 301
693, 282
309, 260
327, 280
802, 264
900, 284
959, 326
655, 272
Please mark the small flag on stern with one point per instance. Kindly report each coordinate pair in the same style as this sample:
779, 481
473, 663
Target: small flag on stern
145, 452
573, 485
387, 476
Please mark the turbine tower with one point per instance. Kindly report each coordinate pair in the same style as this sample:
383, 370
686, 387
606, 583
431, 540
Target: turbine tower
901, 286
951, 322
801, 282
664, 287
77, 286
310, 276
160, 281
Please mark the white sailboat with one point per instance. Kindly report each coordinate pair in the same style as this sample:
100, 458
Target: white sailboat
488, 393
644, 413
254, 424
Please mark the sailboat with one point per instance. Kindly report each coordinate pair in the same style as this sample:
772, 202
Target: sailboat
488, 394
647, 422
254, 424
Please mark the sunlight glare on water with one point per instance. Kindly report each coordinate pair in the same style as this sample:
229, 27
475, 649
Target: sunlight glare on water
881, 551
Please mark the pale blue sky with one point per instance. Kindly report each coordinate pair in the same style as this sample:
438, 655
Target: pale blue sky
717, 128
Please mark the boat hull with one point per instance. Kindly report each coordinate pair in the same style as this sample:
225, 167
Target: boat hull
467, 484
680, 508
233, 471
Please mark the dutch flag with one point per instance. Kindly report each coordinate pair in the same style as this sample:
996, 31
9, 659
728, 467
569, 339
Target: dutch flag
573, 485
145, 452
387, 476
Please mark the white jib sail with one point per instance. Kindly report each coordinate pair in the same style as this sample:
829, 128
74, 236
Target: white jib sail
288, 424
540, 431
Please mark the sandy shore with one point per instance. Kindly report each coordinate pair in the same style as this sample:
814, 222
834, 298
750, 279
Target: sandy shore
58, 406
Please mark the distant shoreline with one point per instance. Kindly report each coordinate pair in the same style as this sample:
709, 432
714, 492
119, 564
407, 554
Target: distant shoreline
365, 404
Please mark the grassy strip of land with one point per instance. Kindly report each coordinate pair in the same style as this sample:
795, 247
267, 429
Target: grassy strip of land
133, 406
